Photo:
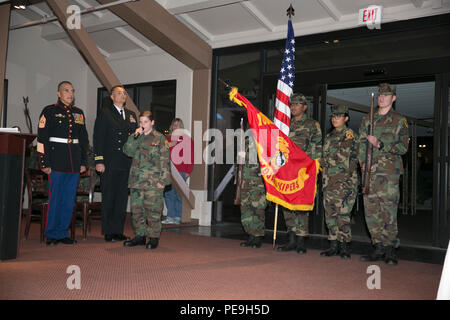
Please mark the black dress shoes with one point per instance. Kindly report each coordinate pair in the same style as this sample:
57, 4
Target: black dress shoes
115, 237
51, 242
120, 237
68, 241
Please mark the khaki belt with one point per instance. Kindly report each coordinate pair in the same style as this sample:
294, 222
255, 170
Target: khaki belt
63, 140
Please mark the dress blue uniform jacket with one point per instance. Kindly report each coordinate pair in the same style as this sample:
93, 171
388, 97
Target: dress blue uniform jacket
111, 132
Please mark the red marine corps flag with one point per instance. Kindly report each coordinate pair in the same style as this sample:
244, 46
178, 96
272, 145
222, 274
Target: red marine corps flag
289, 173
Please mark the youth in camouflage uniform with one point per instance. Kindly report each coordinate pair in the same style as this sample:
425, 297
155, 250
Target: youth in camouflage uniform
149, 174
253, 200
390, 141
306, 134
340, 182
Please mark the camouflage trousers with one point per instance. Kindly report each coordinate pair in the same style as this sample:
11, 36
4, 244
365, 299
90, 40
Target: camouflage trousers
146, 209
253, 204
338, 201
297, 221
380, 207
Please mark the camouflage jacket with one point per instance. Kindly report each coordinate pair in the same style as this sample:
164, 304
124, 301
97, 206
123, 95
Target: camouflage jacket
251, 171
307, 135
150, 160
392, 130
339, 161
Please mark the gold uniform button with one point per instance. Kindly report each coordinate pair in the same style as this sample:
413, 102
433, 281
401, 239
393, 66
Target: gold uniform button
118, 149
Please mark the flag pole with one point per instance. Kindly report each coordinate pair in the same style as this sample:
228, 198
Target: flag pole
275, 226
290, 12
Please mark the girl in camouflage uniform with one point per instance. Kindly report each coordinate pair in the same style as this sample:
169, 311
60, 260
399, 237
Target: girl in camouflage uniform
340, 182
149, 174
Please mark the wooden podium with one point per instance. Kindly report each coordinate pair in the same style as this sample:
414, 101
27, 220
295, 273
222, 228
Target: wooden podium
12, 163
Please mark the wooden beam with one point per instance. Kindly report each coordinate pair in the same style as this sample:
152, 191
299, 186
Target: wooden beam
88, 49
163, 29
5, 12
201, 93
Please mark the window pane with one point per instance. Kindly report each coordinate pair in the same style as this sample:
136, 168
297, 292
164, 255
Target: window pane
415, 101
242, 71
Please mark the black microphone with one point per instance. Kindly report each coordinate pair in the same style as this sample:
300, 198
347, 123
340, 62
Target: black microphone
136, 135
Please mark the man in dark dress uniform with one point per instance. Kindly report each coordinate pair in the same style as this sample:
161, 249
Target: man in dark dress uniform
112, 128
62, 145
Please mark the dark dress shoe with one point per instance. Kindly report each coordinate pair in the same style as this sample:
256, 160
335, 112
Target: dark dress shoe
120, 237
152, 243
108, 237
51, 242
136, 241
68, 241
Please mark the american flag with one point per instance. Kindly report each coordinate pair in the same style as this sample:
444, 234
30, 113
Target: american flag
285, 85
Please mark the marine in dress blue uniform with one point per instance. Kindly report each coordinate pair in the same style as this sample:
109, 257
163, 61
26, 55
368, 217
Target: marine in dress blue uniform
62, 145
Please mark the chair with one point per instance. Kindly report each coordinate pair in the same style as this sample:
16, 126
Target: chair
37, 199
85, 199
37, 186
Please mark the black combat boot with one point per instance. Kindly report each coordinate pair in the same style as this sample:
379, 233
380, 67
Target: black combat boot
292, 243
249, 241
345, 250
332, 251
136, 241
377, 255
391, 257
257, 242
301, 249
152, 243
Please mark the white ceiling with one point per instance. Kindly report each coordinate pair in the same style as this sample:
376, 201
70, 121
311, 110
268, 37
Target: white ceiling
224, 23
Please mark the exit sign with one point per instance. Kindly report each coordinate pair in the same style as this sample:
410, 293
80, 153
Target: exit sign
371, 17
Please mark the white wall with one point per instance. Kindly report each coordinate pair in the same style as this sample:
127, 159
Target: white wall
34, 68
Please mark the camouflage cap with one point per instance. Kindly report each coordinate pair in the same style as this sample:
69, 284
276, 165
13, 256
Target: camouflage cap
339, 109
387, 89
298, 98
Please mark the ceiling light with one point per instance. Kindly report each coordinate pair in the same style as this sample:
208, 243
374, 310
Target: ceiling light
19, 4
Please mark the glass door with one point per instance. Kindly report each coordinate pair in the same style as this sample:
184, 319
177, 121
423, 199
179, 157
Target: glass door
444, 169
415, 100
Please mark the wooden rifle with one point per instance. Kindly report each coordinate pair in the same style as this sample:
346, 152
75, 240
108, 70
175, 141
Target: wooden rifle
238, 178
369, 151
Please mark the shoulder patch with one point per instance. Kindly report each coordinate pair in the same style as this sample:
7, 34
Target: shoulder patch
42, 122
349, 134
405, 123
132, 119
317, 125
